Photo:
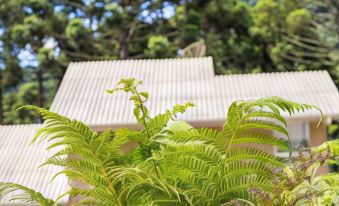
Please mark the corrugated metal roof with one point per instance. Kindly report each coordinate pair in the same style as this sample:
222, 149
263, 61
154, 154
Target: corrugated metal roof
19, 162
82, 92
310, 87
149, 70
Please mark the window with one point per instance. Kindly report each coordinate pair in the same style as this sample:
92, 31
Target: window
299, 135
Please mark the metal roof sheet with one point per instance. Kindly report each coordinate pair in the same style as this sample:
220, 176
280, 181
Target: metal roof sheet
19, 162
310, 87
82, 92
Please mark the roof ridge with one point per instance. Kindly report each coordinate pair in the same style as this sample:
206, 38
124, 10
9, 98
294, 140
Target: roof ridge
129, 60
272, 73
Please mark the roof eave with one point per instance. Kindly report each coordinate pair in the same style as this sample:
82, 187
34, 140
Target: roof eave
215, 123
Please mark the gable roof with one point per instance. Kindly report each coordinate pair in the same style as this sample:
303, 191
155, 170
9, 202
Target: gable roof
82, 92
19, 162
148, 70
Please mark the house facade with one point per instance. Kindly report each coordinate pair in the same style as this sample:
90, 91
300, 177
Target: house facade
82, 96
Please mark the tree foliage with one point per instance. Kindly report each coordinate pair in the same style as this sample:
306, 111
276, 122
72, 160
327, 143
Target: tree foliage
242, 36
171, 163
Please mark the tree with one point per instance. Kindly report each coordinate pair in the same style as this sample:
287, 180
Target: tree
10, 74
26, 31
225, 27
27, 94
159, 47
326, 23
57, 32
289, 32
242, 36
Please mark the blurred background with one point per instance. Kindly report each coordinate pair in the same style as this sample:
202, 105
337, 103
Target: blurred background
40, 37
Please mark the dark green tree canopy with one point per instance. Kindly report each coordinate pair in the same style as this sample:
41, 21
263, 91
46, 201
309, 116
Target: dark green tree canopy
243, 36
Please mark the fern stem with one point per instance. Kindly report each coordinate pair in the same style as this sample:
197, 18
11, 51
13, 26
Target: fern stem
110, 187
143, 113
146, 127
108, 182
231, 139
156, 169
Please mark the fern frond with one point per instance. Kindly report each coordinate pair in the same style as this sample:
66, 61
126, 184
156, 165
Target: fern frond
218, 166
235, 154
261, 138
262, 114
136, 181
83, 153
25, 194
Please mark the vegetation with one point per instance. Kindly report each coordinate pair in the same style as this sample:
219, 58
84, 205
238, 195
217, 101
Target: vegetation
173, 163
300, 183
243, 36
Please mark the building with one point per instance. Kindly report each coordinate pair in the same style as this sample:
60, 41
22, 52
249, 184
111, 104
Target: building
82, 93
20, 160
82, 96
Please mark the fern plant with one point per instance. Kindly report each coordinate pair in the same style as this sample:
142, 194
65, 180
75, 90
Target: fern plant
298, 184
171, 162
215, 166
